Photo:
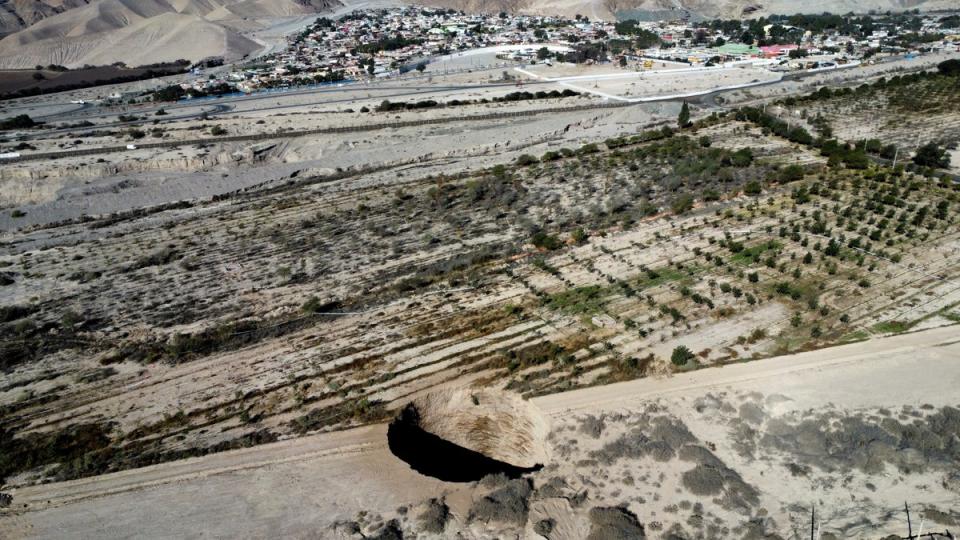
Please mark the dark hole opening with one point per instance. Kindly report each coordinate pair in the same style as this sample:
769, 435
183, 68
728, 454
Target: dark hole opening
433, 456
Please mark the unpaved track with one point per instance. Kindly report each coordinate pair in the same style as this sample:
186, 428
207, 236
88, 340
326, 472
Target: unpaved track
298, 487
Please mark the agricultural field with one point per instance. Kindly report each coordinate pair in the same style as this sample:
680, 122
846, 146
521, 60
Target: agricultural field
325, 303
905, 111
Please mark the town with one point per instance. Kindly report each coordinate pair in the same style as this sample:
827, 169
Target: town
389, 43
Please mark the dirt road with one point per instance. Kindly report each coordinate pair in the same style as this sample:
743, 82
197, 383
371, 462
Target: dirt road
297, 488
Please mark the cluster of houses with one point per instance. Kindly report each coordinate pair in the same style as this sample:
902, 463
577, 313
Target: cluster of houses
377, 43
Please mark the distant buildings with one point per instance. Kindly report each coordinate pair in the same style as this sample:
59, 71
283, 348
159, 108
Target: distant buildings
388, 42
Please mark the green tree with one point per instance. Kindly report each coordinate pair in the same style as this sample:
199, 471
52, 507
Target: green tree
681, 355
931, 155
20, 121
683, 120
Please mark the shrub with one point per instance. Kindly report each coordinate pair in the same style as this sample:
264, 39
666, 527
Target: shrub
526, 159
681, 355
21, 121
217, 131
931, 155
742, 157
949, 67
579, 235
434, 518
752, 188
791, 173
614, 523
682, 204
507, 504
546, 241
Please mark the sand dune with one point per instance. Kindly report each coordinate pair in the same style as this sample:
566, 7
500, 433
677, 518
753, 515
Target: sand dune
140, 32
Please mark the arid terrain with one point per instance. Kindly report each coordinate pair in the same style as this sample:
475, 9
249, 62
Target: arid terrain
719, 453
140, 32
486, 301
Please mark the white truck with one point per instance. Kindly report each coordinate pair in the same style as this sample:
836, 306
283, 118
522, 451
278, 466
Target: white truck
10, 155
131, 147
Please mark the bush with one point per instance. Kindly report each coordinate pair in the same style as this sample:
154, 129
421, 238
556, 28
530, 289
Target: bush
742, 157
546, 241
579, 236
949, 67
507, 504
434, 518
682, 204
526, 159
614, 523
217, 131
931, 155
21, 121
791, 173
681, 355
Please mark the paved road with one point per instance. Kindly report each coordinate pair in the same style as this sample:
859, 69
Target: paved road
291, 487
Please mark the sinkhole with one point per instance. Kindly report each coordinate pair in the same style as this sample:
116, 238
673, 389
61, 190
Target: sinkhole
463, 435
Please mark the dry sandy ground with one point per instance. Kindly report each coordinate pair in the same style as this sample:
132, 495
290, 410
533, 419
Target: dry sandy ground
299, 488
67, 188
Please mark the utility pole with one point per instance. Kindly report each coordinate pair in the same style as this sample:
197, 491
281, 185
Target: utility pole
813, 513
909, 525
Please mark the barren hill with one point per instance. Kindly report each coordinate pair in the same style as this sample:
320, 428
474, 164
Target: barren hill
18, 14
145, 31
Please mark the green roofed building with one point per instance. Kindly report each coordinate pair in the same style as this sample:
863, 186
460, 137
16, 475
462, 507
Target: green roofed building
737, 49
